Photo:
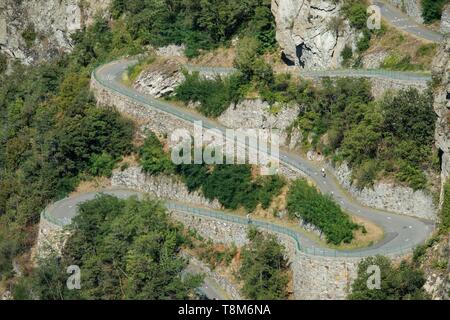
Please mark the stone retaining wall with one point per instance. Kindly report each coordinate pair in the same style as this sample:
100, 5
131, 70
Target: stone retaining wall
159, 186
51, 240
314, 277
230, 288
412, 8
388, 196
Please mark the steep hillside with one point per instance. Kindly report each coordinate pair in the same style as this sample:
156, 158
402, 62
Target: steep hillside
34, 30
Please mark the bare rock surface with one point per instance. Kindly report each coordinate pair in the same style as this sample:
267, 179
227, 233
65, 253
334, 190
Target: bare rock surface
312, 33
160, 79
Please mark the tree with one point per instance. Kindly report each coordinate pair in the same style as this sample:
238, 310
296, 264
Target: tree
152, 157
432, 10
396, 283
250, 64
306, 203
126, 249
264, 269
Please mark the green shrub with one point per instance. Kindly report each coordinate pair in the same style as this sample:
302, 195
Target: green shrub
432, 10
364, 42
102, 165
399, 63
347, 55
445, 211
307, 203
264, 268
152, 157
366, 174
214, 96
426, 49
404, 282
413, 176
356, 13
29, 35
3, 63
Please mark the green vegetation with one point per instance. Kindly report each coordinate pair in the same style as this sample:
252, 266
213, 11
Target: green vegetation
264, 268
432, 9
52, 135
152, 157
29, 35
126, 249
356, 12
404, 282
393, 136
204, 25
216, 95
445, 212
400, 63
232, 185
3, 63
307, 203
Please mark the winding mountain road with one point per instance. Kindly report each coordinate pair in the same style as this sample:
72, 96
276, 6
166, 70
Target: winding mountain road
402, 233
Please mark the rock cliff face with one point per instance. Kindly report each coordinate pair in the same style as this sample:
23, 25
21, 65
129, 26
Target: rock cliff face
388, 196
258, 114
445, 20
441, 83
34, 30
312, 33
160, 79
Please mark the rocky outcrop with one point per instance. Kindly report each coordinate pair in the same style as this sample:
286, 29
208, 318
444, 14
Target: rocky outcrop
258, 114
312, 33
441, 84
412, 8
445, 20
436, 265
373, 60
390, 197
160, 78
34, 30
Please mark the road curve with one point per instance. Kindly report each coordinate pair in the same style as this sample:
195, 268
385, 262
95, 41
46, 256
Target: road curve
402, 21
402, 233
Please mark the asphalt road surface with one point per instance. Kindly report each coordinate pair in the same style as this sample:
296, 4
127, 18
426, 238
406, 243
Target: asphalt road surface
401, 21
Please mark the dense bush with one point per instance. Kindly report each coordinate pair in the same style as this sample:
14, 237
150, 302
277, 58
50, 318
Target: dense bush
432, 9
214, 96
232, 185
126, 249
264, 268
307, 203
404, 282
202, 25
445, 211
52, 133
356, 13
3, 63
152, 157
29, 35
393, 136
